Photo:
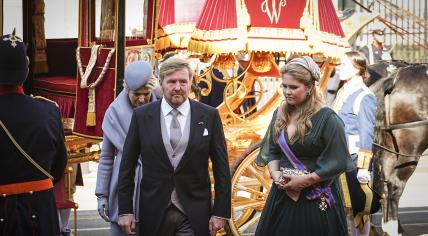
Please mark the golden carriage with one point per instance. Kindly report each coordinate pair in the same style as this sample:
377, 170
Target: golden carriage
257, 36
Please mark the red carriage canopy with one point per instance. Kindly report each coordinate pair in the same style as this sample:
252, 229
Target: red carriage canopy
310, 26
177, 20
221, 28
307, 27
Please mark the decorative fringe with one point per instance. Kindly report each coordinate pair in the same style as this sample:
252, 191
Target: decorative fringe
91, 116
230, 40
174, 36
90, 119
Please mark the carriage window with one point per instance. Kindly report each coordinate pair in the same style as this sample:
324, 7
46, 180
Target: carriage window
136, 18
105, 15
12, 17
61, 19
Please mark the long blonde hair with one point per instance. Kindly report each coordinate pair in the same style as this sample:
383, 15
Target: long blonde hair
310, 106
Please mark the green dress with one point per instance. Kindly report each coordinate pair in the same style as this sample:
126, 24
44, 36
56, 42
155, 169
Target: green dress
325, 152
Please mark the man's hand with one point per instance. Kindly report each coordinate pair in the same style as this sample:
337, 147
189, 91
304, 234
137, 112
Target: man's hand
103, 208
216, 224
363, 176
127, 223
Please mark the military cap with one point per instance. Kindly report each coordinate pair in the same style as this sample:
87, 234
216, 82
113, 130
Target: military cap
13, 60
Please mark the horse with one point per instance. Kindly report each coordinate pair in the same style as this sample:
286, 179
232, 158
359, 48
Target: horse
401, 135
383, 69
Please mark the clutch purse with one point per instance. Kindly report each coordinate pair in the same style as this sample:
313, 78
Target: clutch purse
291, 171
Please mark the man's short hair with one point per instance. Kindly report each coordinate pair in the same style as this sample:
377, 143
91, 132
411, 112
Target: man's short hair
174, 64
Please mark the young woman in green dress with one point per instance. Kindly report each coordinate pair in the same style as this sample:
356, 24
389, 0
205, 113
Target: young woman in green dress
304, 136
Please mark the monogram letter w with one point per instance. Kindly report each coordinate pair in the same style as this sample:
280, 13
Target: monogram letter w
272, 11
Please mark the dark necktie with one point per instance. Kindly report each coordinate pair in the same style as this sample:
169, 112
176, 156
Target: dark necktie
175, 129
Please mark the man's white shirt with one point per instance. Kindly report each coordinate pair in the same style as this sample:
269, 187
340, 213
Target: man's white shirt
184, 110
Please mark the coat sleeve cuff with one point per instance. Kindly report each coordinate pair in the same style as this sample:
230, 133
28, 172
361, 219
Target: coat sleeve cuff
364, 158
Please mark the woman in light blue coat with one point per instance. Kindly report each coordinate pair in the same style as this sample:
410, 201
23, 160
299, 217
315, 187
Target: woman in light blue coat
139, 84
356, 106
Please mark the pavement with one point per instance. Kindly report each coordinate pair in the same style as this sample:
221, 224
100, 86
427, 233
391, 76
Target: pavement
413, 208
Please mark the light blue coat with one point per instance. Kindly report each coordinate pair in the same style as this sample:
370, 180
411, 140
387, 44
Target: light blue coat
356, 106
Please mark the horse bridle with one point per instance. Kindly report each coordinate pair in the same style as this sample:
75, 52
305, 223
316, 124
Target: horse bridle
389, 128
406, 125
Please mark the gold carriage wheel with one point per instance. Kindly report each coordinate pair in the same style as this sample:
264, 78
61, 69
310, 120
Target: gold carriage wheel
250, 188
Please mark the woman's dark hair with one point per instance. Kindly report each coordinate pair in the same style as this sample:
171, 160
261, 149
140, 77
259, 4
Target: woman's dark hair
359, 61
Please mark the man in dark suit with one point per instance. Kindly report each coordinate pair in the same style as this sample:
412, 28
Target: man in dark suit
32, 150
176, 137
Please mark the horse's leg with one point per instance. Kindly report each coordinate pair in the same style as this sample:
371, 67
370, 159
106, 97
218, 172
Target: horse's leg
382, 166
400, 227
390, 221
396, 185
390, 205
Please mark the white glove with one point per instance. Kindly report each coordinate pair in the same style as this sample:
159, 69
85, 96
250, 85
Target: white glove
363, 176
103, 208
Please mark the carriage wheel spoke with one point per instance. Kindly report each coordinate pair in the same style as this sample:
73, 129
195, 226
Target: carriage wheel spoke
250, 223
250, 190
259, 177
250, 203
251, 96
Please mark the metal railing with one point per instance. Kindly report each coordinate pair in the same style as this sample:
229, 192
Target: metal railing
406, 23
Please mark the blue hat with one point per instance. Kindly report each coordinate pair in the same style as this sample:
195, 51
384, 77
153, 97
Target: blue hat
13, 60
139, 74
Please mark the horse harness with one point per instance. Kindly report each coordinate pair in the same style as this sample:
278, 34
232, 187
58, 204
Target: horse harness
390, 127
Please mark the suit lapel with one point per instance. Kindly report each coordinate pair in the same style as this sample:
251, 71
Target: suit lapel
197, 124
154, 119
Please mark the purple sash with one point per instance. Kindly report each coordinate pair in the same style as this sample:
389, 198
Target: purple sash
320, 191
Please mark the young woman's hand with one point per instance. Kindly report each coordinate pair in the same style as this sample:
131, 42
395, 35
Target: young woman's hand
296, 183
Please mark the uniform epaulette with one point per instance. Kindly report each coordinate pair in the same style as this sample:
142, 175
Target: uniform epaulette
44, 99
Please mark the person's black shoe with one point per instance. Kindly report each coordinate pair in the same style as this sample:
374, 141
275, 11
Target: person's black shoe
66, 233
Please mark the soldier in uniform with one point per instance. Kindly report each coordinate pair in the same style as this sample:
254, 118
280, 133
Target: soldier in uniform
356, 106
376, 51
32, 150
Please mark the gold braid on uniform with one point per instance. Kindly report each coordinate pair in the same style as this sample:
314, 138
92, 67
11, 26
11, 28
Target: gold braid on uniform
44, 99
35, 164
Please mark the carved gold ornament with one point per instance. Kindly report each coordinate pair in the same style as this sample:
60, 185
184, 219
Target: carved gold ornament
262, 62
